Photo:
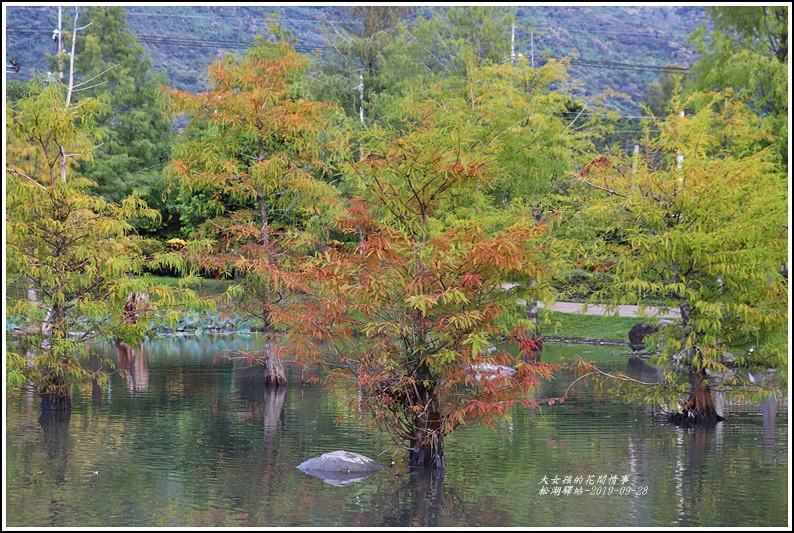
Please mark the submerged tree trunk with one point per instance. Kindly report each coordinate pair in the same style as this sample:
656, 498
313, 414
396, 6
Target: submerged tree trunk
52, 386
54, 393
699, 408
427, 449
275, 376
427, 445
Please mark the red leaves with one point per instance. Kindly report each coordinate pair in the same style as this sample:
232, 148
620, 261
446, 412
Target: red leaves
470, 280
552, 401
599, 164
529, 345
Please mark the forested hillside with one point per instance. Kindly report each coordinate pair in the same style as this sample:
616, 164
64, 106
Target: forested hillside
621, 48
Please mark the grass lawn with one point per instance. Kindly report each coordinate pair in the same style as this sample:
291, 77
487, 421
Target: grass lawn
593, 327
205, 287
552, 324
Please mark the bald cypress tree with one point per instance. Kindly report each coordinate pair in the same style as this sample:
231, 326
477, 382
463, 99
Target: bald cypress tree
699, 221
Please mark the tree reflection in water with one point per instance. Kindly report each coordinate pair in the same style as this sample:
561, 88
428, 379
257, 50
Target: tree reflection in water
133, 362
55, 434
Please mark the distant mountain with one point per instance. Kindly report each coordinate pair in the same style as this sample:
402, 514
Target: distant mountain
620, 47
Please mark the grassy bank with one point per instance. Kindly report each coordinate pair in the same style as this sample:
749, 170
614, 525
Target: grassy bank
592, 327
204, 287
552, 324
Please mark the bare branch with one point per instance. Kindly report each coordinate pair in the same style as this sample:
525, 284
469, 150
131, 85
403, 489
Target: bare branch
95, 77
18, 173
606, 189
619, 378
91, 87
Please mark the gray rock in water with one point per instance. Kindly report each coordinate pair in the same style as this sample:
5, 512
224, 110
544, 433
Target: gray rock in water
339, 479
340, 467
491, 371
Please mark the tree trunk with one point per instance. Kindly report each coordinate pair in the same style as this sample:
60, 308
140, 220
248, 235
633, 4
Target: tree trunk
54, 394
274, 367
427, 450
699, 408
427, 445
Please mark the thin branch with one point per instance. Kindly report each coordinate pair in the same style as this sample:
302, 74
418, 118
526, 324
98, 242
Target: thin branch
18, 173
90, 87
95, 77
611, 191
574, 120
620, 378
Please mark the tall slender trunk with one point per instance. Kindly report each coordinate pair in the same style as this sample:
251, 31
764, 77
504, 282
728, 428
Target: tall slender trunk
260, 198
30, 354
264, 231
532, 343
274, 366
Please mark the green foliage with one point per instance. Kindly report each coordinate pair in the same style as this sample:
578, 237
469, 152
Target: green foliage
659, 95
368, 56
524, 125
478, 35
748, 53
453, 41
700, 220
245, 166
69, 252
110, 63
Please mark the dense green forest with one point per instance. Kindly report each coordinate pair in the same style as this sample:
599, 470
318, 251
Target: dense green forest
392, 238
621, 48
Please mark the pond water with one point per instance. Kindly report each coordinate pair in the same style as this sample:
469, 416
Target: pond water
184, 441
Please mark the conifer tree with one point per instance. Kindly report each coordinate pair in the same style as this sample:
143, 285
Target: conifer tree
111, 63
71, 255
700, 221
248, 151
407, 311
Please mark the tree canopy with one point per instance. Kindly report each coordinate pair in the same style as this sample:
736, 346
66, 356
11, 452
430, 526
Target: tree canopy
748, 53
700, 219
410, 311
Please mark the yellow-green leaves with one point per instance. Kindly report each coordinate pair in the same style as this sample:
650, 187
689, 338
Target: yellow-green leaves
71, 258
700, 224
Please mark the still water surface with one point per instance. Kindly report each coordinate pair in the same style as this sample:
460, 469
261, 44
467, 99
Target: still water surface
182, 440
